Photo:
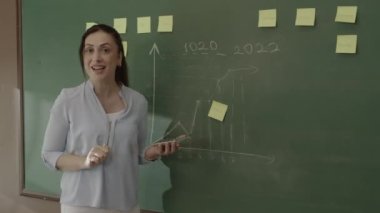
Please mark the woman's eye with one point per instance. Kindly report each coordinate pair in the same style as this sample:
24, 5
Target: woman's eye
89, 50
106, 50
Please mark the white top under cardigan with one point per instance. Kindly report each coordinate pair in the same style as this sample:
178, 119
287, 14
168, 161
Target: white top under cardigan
77, 123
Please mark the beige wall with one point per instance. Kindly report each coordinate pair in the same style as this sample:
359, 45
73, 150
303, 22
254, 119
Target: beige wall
10, 200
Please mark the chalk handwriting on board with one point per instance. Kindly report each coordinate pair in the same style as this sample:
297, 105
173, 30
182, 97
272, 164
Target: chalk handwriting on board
251, 48
153, 51
250, 69
219, 144
202, 47
211, 150
212, 47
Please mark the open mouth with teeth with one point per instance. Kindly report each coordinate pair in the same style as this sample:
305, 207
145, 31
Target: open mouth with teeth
98, 68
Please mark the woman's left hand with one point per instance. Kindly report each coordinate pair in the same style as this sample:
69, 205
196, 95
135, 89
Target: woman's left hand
161, 149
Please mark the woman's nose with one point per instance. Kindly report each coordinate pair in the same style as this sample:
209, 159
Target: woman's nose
96, 56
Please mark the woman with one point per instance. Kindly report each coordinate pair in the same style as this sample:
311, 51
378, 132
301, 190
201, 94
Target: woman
97, 130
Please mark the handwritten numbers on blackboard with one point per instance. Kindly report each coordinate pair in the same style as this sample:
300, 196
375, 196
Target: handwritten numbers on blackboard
251, 48
212, 47
200, 47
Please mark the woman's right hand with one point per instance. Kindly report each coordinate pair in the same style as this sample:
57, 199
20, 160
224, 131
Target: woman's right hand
97, 155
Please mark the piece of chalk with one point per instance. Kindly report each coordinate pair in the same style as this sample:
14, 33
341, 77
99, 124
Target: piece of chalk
181, 138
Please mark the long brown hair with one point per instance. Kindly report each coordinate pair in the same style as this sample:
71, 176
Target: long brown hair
121, 73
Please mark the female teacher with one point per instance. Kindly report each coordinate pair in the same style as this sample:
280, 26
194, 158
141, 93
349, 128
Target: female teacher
97, 130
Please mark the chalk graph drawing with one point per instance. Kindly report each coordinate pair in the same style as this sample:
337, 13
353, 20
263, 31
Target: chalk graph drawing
208, 137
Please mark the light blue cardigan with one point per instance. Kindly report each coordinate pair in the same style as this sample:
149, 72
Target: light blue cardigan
77, 123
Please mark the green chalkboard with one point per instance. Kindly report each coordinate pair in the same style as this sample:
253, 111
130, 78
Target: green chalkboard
301, 130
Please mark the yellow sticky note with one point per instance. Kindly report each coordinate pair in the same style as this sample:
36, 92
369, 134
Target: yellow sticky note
125, 47
165, 24
346, 44
143, 24
217, 110
346, 14
120, 25
90, 24
267, 18
305, 17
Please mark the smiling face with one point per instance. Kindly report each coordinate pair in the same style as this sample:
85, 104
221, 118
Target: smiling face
101, 56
